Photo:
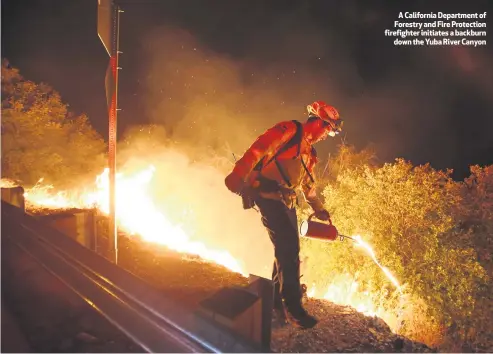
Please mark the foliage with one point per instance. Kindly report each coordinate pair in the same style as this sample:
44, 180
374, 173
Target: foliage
475, 215
40, 137
433, 233
347, 157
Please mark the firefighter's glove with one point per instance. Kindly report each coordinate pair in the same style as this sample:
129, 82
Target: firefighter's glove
322, 214
234, 183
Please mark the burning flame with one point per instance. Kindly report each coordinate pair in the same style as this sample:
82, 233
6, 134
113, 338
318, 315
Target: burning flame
136, 213
344, 290
41, 195
8, 183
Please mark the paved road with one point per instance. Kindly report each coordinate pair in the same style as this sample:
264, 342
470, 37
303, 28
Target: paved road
13, 340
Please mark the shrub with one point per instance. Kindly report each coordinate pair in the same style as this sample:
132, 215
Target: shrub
41, 138
423, 226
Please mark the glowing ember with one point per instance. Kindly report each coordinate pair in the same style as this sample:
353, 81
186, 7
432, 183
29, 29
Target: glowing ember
136, 213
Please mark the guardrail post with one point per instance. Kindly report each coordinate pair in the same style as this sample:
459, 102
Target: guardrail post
264, 289
14, 196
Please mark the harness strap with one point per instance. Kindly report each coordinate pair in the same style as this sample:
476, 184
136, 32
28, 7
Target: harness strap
306, 169
283, 173
295, 140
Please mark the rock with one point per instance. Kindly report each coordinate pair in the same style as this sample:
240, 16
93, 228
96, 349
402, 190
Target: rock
86, 337
380, 324
403, 344
422, 348
398, 344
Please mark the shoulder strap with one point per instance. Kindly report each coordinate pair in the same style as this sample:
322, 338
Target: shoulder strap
296, 139
298, 136
306, 168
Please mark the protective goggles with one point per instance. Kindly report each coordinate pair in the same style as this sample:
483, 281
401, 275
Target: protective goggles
334, 125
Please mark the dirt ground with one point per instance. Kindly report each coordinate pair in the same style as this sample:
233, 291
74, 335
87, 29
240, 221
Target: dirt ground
189, 280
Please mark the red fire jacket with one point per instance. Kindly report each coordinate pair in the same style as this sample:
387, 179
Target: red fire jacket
266, 146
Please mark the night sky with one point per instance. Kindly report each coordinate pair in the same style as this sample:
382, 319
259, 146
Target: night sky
240, 66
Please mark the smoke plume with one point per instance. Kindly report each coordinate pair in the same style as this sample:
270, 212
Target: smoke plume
212, 104
191, 192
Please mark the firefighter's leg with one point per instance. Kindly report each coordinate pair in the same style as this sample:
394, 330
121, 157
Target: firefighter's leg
279, 315
287, 250
276, 287
281, 225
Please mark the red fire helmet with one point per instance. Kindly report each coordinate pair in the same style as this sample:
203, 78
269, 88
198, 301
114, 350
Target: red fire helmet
323, 111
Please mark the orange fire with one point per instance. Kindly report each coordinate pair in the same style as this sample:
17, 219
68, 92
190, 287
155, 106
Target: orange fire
137, 213
7, 183
344, 290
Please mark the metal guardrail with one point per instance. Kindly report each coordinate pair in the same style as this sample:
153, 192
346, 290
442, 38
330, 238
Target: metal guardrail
153, 322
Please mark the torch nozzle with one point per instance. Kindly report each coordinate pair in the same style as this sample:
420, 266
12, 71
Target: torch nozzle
342, 237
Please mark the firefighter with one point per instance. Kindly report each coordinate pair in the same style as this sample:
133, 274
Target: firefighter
278, 163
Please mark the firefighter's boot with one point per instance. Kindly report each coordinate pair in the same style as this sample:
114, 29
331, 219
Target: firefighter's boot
279, 312
300, 318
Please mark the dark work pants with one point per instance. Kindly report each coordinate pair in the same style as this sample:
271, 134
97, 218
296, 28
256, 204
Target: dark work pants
281, 224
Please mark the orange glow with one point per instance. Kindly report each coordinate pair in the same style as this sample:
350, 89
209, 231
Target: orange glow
137, 213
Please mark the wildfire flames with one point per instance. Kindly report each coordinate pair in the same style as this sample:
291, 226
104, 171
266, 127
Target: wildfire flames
344, 290
137, 213
7, 183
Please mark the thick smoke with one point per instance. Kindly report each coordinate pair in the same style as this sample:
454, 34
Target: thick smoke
191, 192
222, 103
216, 102
212, 104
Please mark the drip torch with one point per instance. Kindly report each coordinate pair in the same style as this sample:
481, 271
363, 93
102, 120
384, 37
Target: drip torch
321, 231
